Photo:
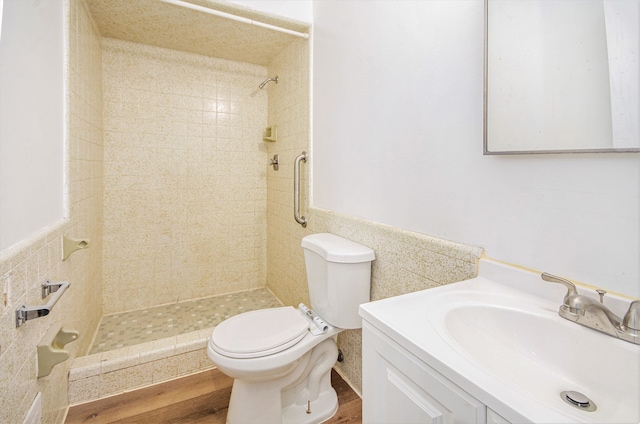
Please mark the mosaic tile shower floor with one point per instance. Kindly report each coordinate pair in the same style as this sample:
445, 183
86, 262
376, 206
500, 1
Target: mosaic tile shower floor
145, 325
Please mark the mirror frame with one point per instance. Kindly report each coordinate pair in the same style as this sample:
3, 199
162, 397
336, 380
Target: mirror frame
485, 113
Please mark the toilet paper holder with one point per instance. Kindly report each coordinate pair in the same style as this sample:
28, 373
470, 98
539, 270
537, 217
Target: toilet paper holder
50, 349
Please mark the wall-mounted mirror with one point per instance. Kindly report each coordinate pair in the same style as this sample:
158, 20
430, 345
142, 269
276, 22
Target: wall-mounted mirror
561, 76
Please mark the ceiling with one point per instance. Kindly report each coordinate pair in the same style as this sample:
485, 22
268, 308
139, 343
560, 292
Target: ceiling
160, 24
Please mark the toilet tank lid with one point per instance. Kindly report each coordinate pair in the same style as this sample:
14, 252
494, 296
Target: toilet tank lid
337, 249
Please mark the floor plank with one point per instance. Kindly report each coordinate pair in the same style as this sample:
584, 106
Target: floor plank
202, 398
350, 404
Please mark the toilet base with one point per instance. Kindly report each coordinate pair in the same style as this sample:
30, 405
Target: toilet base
323, 408
285, 399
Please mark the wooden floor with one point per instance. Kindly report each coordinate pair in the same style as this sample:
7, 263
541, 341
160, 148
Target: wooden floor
198, 399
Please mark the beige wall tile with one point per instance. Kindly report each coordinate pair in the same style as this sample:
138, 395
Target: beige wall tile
288, 100
184, 163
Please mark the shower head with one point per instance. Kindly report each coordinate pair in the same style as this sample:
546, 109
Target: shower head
265, 82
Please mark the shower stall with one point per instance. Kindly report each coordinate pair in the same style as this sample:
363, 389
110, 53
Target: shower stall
195, 224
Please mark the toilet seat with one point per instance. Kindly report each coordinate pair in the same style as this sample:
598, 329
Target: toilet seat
259, 333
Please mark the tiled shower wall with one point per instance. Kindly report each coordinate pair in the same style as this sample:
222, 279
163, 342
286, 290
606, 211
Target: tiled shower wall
26, 265
185, 176
289, 111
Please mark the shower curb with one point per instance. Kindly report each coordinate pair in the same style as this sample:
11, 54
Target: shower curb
117, 371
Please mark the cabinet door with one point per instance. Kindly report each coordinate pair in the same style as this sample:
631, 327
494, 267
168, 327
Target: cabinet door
399, 388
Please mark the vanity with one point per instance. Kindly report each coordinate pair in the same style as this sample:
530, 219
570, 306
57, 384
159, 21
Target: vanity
493, 349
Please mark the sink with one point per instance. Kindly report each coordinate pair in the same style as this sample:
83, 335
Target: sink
499, 337
531, 349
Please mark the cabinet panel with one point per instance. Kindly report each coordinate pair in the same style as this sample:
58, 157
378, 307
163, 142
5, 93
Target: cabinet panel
399, 388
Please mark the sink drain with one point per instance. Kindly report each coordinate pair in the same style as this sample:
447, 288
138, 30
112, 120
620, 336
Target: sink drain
578, 400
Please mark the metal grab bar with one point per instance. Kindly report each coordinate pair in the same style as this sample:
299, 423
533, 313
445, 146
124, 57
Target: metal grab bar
25, 313
296, 189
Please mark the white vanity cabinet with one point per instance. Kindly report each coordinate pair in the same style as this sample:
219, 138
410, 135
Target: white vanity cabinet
401, 389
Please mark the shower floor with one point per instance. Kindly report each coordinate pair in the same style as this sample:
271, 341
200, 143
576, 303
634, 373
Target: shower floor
135, 327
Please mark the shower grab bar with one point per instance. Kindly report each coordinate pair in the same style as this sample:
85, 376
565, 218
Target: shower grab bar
296, 190
25, 313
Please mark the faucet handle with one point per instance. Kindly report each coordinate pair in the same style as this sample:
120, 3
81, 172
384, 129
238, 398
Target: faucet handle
571, 288
632, 317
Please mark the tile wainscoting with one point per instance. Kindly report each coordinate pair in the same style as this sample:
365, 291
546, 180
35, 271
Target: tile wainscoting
405, 262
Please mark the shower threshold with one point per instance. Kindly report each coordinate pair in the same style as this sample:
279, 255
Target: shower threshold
144, 347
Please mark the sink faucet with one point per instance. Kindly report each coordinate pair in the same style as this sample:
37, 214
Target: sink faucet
593, 314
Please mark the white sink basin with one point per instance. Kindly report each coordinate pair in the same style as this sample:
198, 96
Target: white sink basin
499, 337
541, 354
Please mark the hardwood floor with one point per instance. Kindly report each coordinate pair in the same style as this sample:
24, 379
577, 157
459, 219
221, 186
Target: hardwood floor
202, 398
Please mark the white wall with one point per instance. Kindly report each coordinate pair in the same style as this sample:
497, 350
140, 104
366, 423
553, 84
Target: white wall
31, 118
397, 138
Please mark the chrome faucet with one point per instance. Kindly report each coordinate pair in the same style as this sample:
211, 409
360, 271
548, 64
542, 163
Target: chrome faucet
593, 314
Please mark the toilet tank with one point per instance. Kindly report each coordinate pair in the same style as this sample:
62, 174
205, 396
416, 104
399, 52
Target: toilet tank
339, 277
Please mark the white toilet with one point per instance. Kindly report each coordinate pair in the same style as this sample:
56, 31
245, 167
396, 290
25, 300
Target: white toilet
280, 358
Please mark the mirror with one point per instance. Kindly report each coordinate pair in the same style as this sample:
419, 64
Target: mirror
561, 76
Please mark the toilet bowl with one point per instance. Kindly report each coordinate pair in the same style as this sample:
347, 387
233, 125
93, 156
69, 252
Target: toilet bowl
279, 360
280, 386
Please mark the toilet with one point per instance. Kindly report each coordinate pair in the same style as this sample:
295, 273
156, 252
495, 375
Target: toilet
281, 358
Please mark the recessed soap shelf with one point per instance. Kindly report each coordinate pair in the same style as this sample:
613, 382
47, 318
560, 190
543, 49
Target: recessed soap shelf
270, 133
